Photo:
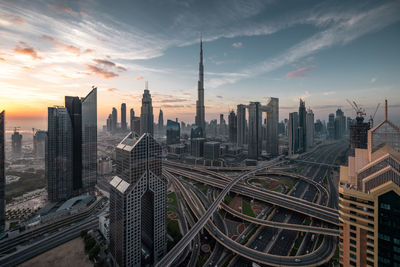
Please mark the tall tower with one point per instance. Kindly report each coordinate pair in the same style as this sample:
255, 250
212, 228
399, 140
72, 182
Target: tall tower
59, 156
200, 117
302, 126
138, 203
114, 117
146, 114
2, 172
123, 117
160, 121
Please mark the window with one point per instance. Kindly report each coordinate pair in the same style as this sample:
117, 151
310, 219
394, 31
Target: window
353, 242
352, 263
352, 227
353, 249
352, 256
353, 235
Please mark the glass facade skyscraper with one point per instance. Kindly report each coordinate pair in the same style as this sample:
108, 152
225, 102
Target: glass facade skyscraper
138, 196
89, 140
2, 172
59, 159
173, 132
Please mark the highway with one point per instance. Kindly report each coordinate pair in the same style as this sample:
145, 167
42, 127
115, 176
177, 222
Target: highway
186, 239
316, 258
49, 242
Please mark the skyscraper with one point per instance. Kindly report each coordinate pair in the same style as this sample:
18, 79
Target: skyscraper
146, 114
160, 121
272, 109
358, 135
123, 117
71, 158
309, 129
369, 195
2, 172
39, 144
16, 143
74, 107
138, 207
132, 115
173, 132
200, 116
89, 140
59, 172
255, 137
293, 133
302, 127
241, 125
340, 124
331, 126
114, 120
232, 120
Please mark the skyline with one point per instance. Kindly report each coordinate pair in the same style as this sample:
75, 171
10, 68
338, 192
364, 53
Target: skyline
321, 52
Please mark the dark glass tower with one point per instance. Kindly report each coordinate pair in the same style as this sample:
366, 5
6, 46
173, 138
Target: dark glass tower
173, 132
2, 172
232, 120
255, 136
123, 117
74, 107
89, 140
59, 156
302, 127
146, 115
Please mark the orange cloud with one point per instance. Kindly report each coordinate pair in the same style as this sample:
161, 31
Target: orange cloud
61, 8
104, 62
24, 49
66, 47
138, 78
3, 59
101, 72
14, 18
112, 90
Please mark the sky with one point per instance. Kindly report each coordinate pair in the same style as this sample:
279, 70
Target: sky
322, 51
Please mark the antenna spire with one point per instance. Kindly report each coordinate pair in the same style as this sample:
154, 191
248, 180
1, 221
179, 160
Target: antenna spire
386, 110
147, 85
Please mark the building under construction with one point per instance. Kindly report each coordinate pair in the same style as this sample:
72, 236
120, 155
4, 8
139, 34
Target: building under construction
358, 135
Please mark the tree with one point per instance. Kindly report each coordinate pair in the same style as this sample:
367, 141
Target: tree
94, 252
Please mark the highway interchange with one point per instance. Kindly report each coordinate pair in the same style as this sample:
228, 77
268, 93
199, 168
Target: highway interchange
275, 237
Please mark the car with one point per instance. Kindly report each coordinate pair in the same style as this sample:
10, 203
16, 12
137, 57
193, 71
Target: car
297, 260
260, 237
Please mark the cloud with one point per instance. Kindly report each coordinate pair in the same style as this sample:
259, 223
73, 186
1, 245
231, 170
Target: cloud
102, 72
219, 96
109, 64
24, 49
237, 45
2, 59
300, 73
329, 93
61, 8
14, 18
112, 90
303, 96
138, 78
173, 106
66, 47
120, 68
373, 80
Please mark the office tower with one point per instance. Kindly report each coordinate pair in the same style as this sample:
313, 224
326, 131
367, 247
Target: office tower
109, 123
293, 133
369, 197
39, 144
114, 120
212, 129
16, 143
59, 172
272, 117
173, 132
222, 125
74, 107
89, 140
124, 126
340, 124
232, 120
135, 125
358, 135
196, 132
255, 137
138, 203
160, 122
146, 115
197, 147
132, 115
241, 124
331, 126
2, 173
282, 128
309, 129
211, 150
318, 127
200, 117
302, 127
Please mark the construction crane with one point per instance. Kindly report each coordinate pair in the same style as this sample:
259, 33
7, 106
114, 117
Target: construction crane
359, 111
371, 117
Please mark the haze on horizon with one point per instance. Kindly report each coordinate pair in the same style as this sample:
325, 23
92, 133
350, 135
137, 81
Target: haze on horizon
323, 52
